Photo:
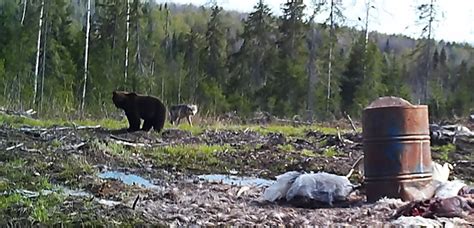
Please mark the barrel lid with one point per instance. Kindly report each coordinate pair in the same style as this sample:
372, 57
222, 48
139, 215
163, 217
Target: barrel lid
391, 101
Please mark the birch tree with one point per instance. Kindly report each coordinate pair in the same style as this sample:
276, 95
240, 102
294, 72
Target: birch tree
86, 54
25, 3
38, 48
166, 45
335, 18
127, 38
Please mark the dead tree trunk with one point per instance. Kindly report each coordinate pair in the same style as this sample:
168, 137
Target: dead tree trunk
86, 55
38, 47
428, 59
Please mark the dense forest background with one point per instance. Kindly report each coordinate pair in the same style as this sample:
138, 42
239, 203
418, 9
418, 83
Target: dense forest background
221, 60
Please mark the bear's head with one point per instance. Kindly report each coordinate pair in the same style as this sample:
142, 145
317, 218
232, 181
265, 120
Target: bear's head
121, 99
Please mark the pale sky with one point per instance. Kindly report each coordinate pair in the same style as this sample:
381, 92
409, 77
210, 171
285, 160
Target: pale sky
455, 17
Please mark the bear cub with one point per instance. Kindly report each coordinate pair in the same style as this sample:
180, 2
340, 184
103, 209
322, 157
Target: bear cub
136, 107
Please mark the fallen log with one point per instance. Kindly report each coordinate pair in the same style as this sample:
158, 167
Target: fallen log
127, 142
449, 133
27, 114
14, 147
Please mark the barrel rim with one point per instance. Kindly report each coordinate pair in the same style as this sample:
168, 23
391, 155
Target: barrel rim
397, 107
398, 178
403, 139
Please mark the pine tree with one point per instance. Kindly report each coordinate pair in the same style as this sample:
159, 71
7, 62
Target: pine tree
463, 98
64, 53
106, 56
288, 84
252, 65
215, 48
393, 77
211, 90
353, 76
193, 45
371, 86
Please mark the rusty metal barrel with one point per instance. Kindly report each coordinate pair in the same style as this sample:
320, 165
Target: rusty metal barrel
396, 141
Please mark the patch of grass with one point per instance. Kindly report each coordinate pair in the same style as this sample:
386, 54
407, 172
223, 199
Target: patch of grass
105, 123
7, 201
72, 168
56, 143
308, 153
329, 130
444, 150
288, 130
330, 152
194, 157
17, 121
286, 147
195, 129
17, 175
23, 174
111, 148
117, 150
43, 209
283, 129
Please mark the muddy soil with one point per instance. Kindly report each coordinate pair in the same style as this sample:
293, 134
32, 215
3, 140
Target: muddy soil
120, 178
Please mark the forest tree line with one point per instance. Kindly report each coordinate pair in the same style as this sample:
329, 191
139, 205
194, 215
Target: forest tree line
222, 61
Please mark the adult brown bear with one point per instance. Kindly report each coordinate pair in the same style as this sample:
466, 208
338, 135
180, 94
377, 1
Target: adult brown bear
136, 107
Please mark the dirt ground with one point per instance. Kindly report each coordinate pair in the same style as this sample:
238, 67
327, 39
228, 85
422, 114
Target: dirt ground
36, 162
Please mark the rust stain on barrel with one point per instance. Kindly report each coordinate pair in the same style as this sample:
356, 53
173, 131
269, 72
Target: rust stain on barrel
396, 147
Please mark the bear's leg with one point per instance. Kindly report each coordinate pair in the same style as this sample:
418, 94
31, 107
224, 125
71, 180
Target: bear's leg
158, 124
147, 124
133, 121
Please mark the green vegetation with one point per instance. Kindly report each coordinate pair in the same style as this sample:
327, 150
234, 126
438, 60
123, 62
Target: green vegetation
195, 129
308, 153
43, 209
18, 175
73, 167
444, 151
18, 121
330, 152
192, 157
286, 147
111, 148
287, 130
199, 56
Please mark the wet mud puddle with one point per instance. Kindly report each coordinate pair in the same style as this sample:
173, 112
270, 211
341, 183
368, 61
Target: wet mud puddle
129, 179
